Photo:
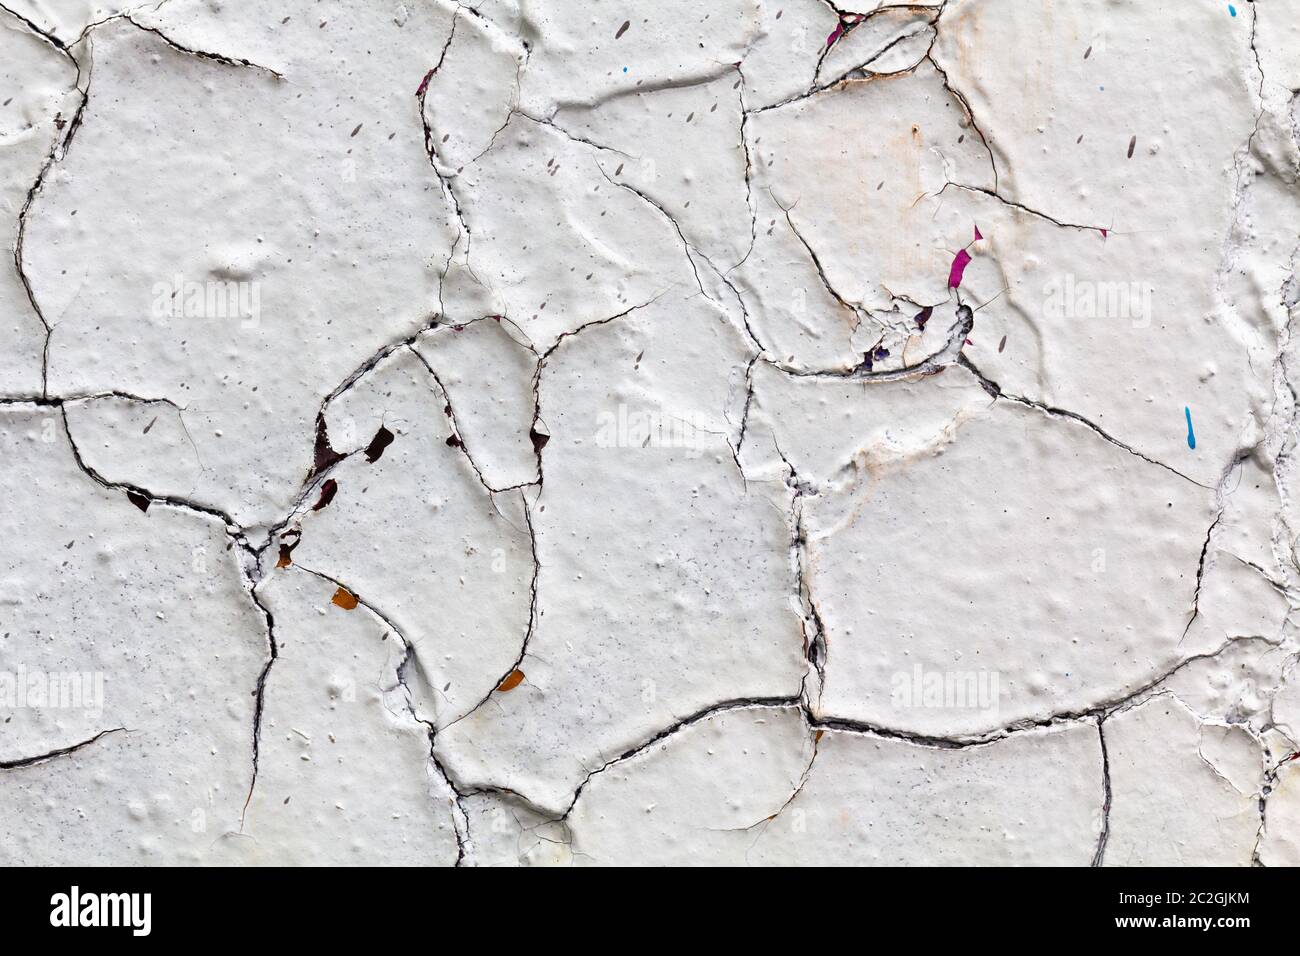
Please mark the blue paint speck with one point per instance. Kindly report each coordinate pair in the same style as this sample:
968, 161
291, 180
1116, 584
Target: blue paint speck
1191, 435
625, 68
1232, 10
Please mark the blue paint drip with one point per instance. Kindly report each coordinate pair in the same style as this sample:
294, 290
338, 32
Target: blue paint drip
1232, 10
1191, 435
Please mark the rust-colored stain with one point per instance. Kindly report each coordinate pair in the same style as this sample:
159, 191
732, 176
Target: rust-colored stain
344, 599
288, 541
818, 738
513, 680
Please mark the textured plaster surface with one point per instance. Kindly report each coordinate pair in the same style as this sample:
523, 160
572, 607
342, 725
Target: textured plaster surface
755, 432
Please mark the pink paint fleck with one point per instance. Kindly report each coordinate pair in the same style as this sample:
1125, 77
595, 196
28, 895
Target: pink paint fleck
978, 235
424, 83
1104, 233
846, 21
959, 263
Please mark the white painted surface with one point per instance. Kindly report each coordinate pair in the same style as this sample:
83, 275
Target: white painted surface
553, 433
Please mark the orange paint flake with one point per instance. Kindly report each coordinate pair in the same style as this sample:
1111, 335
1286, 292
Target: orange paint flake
513, 680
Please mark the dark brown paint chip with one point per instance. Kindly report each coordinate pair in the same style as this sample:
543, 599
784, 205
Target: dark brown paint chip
327, 493
323, 456
375, 450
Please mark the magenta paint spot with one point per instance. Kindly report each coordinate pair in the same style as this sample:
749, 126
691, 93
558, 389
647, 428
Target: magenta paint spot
1104, 233
959, 263
424, 83
978, 235
835, 34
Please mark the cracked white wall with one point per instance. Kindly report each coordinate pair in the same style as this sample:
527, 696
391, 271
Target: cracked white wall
554, 432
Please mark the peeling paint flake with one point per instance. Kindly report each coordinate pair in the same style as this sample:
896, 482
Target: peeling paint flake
344, 599
958, 268
513, 680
